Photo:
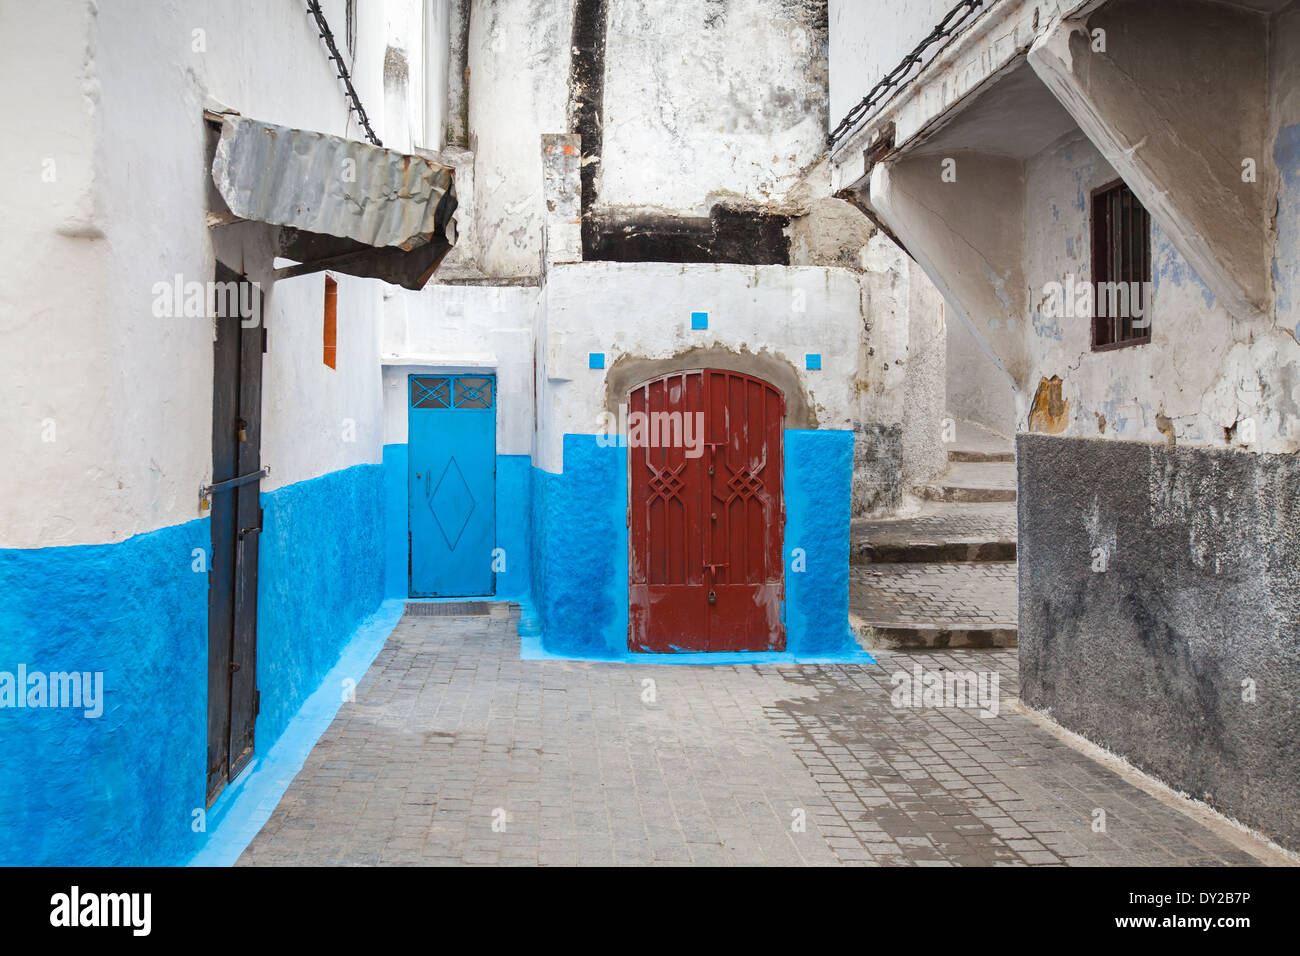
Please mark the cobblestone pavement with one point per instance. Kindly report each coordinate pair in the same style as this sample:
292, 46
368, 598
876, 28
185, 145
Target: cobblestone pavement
457, 752
942, 595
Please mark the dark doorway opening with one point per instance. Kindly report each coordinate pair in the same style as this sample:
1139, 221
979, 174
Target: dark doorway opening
236, 527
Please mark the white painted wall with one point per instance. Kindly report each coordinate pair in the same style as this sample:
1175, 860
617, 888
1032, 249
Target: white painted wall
518, 89
978, 391
1204, 369
115, 99
702, 103
644, 309
706, 101
902, 357
1283, 118
868, 38
453, 329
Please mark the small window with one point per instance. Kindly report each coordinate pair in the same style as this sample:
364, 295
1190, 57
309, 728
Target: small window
331, 322
473, 392
1121, 269
430, 392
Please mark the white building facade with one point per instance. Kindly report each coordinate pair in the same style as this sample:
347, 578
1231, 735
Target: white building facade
204, 512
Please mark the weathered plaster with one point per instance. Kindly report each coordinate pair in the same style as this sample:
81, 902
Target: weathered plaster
1180, 653
80, 338
708, 103
1157, 115
770, 316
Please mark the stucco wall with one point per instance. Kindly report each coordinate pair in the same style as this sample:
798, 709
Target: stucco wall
1203, 370
977, 389
1159, 610
705, 101
518, 89
1284, 126
764, 318
900, 380
718, 102
868, 38
104, 184
125, 211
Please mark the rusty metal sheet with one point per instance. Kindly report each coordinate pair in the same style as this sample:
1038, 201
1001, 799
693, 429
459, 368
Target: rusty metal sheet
330, 186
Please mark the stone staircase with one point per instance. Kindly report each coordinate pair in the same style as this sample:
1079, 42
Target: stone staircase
947, 576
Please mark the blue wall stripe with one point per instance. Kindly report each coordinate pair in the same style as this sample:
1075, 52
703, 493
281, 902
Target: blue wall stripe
118, 789
580, 543
122, 789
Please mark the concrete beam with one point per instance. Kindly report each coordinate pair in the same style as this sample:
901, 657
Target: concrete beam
1176, 131
968, 235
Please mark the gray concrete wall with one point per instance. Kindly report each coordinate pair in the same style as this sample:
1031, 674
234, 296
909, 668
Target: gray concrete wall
1160, 613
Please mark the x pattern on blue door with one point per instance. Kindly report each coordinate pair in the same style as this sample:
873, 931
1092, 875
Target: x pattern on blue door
452, 485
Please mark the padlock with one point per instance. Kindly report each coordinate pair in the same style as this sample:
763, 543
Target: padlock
713, 597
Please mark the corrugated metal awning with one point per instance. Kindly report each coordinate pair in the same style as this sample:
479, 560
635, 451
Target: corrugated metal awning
342, 204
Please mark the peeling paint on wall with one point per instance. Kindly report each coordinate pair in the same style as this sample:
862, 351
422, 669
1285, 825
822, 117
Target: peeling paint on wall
1049, 412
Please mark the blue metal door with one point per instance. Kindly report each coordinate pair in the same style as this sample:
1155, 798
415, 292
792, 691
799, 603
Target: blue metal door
451, 448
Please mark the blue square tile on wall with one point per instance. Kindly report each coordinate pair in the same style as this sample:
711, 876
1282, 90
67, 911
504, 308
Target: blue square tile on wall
813, 361
596, 359
699, 320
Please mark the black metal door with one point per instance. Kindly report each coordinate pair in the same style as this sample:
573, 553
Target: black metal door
236, 527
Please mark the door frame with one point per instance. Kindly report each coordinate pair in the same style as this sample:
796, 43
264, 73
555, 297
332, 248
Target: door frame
449, 372
778, 642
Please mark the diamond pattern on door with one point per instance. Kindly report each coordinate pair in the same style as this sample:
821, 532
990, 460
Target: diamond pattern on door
745, 484
665, 484
452, 503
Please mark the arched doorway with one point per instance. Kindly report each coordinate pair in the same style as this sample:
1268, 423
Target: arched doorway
706, 513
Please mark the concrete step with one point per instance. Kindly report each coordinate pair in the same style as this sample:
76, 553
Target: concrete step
943, 532
916, 637
934, 605
974, 482
977, 443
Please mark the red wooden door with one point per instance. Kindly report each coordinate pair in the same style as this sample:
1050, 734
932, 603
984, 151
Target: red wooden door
705, 515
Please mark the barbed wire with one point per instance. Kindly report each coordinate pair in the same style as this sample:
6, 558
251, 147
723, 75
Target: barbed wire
354, 104
956, 18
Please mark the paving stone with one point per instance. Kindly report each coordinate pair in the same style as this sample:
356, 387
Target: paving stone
929, 605
586, 773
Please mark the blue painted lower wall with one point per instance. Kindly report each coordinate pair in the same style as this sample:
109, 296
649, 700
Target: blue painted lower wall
118, 789
579, 527
121, 789
320, 574
818, 488
579, 533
